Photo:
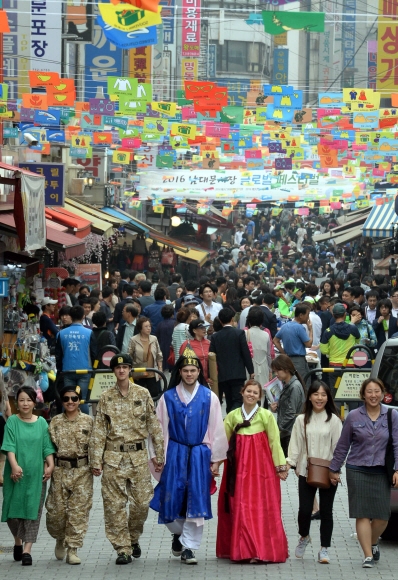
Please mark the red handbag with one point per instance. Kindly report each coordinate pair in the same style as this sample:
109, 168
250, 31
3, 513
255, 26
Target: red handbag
171, 361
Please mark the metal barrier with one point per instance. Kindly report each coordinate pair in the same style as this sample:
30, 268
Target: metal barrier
348, 356
103, 379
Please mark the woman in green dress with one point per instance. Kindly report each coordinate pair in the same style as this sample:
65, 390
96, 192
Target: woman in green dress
29, 465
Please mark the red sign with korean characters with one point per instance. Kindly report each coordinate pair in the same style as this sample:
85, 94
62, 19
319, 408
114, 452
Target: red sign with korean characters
191, 28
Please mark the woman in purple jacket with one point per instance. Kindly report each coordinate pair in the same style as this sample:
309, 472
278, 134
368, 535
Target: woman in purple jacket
364, 438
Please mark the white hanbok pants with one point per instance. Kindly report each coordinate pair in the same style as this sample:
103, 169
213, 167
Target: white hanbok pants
190, 534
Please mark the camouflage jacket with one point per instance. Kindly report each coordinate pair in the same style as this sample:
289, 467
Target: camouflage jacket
122, 420
71, 438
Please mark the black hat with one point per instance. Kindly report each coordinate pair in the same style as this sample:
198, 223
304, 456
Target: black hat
76, 390
121, 359
188, 358
198, 323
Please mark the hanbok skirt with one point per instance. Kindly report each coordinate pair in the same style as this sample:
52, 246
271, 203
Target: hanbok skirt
250, 523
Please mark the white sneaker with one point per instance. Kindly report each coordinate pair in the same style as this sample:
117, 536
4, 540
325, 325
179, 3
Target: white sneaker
301, 546
323, 556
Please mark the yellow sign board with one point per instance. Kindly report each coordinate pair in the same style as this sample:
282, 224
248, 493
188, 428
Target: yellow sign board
350, 385
280, 39
189, 69
128, 18
102, 382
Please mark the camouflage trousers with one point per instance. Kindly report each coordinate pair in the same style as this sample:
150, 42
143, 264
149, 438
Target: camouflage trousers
124, 485
68, 505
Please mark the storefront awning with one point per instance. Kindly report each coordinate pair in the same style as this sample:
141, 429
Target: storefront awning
98, 225
130, 221
57, 239
348, 237
380, 221
80, 226
197, 257
97, 213
340, 230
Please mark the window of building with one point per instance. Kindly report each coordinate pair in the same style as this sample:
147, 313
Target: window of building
240, 57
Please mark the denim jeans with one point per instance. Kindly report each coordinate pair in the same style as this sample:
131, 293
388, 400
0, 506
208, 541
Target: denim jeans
74, 380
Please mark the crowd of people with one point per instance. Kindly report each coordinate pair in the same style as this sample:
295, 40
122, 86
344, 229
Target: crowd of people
272, 295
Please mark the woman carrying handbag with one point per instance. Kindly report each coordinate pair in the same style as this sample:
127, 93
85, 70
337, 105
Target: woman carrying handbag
314, 437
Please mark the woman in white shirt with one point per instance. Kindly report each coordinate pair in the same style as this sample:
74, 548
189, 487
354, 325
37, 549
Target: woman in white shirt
323, 427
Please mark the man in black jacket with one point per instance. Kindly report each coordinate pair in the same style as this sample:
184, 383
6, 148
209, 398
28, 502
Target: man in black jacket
127, 298
270, 322
233, 359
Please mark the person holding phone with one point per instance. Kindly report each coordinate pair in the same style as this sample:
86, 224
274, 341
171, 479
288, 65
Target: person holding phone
29, 466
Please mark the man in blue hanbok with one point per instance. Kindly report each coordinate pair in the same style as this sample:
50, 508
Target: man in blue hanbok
195, 445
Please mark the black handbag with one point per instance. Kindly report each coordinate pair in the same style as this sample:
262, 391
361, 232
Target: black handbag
389, 460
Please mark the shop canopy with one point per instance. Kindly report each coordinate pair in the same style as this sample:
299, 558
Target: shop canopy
130, 221
343, 229
59, 215
99, 224
380, 221
189, 253
348, 236
57, 237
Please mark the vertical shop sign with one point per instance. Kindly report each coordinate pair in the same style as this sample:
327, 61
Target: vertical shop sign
325, 68
140, 62
189, 69
212, 61
372, 63
280, 70
387, 46
54, 179
102, 59
10, 49
46, 35
191, 28
348, 42
168, 17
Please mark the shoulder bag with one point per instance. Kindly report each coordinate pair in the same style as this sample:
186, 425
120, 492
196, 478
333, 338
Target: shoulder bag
389, 460
317, 469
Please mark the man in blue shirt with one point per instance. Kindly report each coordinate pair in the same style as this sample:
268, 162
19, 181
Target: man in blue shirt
250, 225
75, 349
154, 311
295, 339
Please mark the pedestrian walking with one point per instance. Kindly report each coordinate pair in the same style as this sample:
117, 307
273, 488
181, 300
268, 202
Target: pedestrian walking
195, 444
315, 434
364, 439
250, 524
70, 496
124, 420
29, 466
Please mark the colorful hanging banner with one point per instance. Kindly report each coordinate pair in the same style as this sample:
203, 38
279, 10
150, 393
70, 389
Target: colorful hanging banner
278, 22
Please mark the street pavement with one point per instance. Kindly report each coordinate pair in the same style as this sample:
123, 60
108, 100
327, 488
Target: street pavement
157, 562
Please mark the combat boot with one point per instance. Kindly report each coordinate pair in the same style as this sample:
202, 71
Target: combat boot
72, 557
60, 550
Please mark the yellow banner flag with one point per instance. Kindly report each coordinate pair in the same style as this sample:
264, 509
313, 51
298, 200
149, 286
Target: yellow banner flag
127, 18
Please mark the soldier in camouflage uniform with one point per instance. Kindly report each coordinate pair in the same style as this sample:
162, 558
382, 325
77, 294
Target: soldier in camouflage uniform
125, 417
71, 490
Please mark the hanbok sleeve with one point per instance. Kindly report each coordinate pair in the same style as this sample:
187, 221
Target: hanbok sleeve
229, 425
272, 431
9, 442
218, 438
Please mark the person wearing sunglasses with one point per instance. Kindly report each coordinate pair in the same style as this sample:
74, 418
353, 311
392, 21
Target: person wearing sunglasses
70, 496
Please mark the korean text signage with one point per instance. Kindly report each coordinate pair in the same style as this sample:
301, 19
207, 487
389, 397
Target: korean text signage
349, 31
281, 66
45, 35
189, 69
372, 63
54, 180
191, 28
387, 50
168, 14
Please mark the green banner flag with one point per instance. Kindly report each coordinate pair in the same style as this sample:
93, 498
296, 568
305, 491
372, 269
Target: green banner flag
279, 22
